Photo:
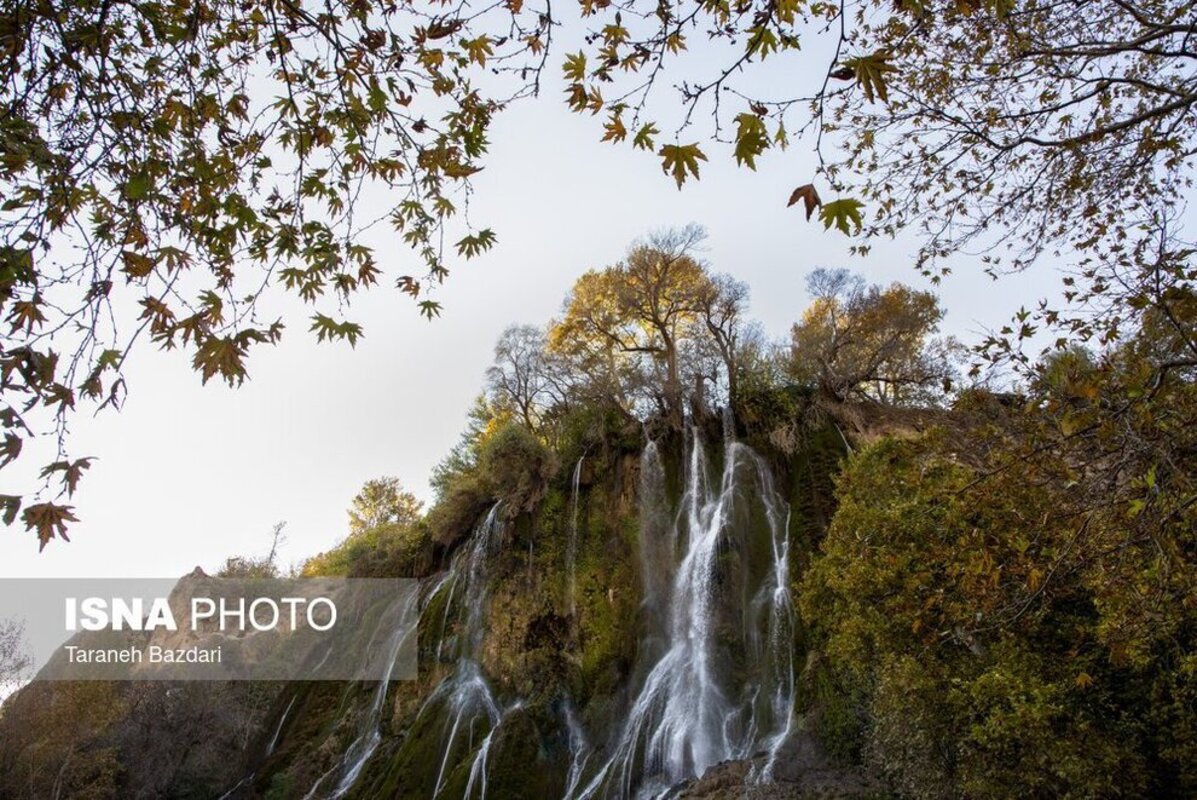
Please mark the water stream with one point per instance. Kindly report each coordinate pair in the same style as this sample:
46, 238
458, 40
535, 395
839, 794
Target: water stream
336, 782
722, 686
571, 546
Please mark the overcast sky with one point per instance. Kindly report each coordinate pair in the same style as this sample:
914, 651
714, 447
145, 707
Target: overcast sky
187, 475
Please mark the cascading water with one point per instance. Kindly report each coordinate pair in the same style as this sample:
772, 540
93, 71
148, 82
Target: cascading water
691, 711
337, 782
278, 729
465, 696
571, 546
579, 749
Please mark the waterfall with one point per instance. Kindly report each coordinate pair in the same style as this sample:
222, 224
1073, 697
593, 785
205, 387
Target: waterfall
579, 749
714, 677
279, 729
571, 546
656, 550
345, 772
470, 707
690, 712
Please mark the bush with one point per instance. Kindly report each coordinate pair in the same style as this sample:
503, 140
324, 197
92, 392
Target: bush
516, 467
966, 608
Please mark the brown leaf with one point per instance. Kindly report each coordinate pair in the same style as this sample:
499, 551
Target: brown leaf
809, 197
49, 521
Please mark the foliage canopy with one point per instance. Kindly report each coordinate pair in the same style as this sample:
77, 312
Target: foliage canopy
164, 164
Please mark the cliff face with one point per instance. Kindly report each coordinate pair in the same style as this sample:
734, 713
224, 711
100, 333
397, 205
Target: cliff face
633, 629
621, 635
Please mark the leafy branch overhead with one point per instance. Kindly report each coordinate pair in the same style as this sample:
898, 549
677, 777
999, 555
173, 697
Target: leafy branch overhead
186, 160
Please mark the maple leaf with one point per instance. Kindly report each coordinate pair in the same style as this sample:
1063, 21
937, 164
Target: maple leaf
220, 355
615, 130
681, 161
752, 139
575, 68
809, 197
137, 265
10, 449
845, 214
870, 72
473, 245
49, 521
71, 471
644, 137
11, 505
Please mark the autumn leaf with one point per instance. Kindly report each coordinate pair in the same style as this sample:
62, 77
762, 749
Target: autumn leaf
71, 471
11, 505
49, 521
844, 214
408, 285
479, 49
644, 137
10, 449
614, 130
575, 68
137, 265
680, 161
220, 355
870, 72
26, 314
809, 197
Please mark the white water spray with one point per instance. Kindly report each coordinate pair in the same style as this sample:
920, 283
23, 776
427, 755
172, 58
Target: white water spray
690, 712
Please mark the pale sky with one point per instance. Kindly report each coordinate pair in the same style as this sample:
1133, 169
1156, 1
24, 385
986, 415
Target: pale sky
187, 475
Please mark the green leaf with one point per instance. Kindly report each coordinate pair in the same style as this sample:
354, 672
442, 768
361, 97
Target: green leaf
870, 72
326, 327
138, 186
752, 139
644, 137
845, 214
476, 243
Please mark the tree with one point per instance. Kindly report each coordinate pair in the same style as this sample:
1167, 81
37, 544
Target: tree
383, 501
257, 567
1011, 128
631, 322
722, 304
526, 375
15, 662
870, 342
164, 165
998, 597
